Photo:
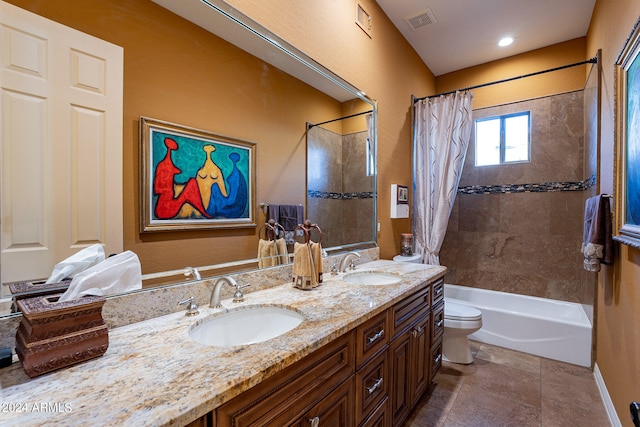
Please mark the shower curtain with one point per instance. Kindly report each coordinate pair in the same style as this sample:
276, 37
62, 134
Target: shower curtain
442, 127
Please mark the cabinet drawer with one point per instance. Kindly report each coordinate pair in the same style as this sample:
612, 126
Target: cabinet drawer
292, 392
372, 383
407, 311
436, 357
437, 291
379, 417
437, 321
371, 337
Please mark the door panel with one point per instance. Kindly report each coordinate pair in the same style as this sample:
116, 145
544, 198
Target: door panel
61, 169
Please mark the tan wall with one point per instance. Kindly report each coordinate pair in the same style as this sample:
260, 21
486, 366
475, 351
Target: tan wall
618, 302
522, 89
384, 66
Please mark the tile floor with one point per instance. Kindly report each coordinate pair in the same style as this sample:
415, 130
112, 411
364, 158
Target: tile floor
507, 388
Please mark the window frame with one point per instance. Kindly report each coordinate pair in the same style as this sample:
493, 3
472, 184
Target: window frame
503, 118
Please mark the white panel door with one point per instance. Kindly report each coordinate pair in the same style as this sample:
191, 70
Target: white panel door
61, 143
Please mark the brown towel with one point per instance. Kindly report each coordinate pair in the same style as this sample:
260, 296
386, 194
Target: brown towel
597, 238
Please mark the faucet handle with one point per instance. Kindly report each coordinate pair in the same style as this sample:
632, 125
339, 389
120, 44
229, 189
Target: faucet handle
352, 264
239, 296
192, 307
334, 269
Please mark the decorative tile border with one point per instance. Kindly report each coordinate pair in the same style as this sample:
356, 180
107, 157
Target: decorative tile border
529, 188
339, 196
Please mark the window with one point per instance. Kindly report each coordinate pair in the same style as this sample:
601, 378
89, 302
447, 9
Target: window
503, 139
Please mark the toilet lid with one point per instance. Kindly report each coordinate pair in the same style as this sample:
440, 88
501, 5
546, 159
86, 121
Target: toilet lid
454, 311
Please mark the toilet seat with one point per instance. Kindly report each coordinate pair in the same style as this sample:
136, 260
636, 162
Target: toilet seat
460, 312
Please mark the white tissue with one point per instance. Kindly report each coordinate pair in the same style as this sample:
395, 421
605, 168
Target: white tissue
80, 261
117, 274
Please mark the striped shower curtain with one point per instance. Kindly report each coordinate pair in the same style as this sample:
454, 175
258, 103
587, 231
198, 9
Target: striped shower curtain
441, 129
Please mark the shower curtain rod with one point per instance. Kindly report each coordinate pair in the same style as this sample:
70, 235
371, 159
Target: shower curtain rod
593, 60
310, 125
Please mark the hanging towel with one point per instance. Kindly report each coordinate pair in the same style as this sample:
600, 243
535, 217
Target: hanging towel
316, 253
273, 212
290, 216
267, 253
304, 276
597, 238
281, 251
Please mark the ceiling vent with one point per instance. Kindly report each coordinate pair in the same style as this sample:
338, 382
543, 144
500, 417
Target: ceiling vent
421, 19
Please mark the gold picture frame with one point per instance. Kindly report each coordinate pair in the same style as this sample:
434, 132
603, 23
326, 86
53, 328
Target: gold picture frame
627, 141
193, 179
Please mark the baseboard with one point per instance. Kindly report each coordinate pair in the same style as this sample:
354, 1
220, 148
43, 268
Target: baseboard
606, 399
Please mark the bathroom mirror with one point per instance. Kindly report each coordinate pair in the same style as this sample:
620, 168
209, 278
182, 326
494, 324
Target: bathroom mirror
285, 75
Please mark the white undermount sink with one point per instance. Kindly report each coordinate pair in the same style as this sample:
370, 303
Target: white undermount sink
370, 277
247, 325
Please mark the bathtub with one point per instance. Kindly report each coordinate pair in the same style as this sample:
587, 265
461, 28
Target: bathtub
549, 328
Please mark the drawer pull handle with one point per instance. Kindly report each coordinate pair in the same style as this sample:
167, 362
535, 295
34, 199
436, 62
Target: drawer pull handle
375, 337
440, 322
314, 422
437, 359
376, 385
416, 331
439, 290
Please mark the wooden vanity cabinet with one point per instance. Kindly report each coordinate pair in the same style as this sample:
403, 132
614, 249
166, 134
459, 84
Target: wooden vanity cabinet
381, 368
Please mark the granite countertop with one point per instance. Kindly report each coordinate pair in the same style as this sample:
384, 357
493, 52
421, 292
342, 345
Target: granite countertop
154, 374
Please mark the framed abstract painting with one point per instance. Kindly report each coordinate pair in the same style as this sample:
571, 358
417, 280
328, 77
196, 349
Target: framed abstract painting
194, 179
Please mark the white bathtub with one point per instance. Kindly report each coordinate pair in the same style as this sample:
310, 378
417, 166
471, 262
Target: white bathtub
549, 328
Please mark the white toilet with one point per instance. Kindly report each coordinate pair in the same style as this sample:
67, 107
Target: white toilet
460, 320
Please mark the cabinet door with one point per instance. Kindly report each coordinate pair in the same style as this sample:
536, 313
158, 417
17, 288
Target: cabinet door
335, 410
400, 390
420, 358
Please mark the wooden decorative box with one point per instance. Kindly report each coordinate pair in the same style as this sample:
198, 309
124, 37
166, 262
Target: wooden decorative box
54, 335
22, 290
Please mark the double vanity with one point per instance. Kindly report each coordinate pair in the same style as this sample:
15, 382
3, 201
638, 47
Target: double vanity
360, 350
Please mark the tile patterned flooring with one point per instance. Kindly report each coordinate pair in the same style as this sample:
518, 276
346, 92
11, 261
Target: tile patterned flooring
507, 388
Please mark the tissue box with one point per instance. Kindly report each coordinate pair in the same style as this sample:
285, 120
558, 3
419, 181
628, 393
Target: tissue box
54, 335
22, 290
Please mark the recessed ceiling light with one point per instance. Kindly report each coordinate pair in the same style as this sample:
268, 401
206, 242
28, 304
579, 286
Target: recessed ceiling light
506, 41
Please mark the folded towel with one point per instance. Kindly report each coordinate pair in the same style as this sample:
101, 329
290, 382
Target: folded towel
597, 237
304, 275
316, 252
267, 253
281, 251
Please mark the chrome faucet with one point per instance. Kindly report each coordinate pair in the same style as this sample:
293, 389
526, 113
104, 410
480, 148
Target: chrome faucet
345, 259
215, 293
192, 271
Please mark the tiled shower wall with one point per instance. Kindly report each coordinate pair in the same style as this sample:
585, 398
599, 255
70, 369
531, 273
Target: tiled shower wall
518, 228
339, 192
